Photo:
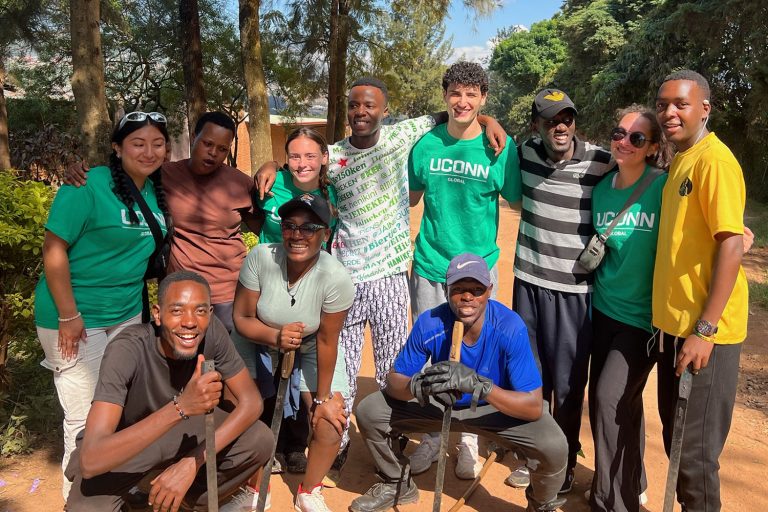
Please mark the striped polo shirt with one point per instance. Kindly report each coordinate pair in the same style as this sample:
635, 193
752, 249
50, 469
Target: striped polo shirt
556, 217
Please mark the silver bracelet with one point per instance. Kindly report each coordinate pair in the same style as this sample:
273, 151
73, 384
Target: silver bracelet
78, 315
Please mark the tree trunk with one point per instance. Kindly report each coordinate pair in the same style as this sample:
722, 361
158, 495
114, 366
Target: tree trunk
88, 80
337, 70
255, 84
5, 150
192, 62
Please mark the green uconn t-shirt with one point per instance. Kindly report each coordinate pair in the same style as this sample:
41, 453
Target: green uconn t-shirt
624, 279
107, 254
283, 191
462, 181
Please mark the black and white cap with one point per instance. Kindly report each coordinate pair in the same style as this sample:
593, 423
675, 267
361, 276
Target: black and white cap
308, 202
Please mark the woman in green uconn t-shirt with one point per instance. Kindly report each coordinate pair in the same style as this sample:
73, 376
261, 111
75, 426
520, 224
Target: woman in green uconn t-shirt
97, 246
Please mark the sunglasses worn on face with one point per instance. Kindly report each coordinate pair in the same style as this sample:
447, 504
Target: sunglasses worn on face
552, 123
637, 139
306, 230
139, 117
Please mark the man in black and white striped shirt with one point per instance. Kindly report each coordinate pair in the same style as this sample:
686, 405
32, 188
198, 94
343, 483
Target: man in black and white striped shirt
552, 289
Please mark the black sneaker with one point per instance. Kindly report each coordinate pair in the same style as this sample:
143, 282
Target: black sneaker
385, 495
296, 462
550, 506
568, 484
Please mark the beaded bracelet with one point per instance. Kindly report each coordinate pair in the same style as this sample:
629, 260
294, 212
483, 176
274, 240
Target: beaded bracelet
321, 402
78, 315
178, 407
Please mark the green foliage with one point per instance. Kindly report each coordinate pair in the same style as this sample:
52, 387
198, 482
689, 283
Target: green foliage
521, 64
411, 58
758, 292
30, 410
756, 217
35, 113
251, 240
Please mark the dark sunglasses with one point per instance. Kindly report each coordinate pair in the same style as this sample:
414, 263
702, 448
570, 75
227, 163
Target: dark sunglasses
552, 123
637, 139
139, 117
306, 230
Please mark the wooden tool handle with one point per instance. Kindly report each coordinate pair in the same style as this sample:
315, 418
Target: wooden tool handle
287, 368
456, 339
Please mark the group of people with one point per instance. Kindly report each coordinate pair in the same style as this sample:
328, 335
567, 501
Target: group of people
334, 255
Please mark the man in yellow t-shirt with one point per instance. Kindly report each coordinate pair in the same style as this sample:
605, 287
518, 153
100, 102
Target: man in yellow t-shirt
699, 287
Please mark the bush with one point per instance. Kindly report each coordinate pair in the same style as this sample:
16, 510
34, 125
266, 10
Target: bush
31, 406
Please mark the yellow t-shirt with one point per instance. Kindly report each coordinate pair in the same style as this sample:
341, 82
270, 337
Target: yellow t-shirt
704, 195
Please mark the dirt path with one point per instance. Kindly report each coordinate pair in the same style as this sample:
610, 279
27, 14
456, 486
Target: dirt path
744, 462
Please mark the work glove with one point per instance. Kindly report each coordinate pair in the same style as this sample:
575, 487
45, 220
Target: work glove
455, 378
417, 388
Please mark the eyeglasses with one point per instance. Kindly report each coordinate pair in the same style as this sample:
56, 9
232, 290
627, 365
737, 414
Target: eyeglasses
551, 123
306, 230
140, 116
637, 139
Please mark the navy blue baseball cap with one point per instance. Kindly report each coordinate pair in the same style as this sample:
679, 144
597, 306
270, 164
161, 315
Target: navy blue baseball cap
470, 266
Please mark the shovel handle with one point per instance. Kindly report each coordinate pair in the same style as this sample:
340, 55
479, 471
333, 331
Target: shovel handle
287, 367
456, 340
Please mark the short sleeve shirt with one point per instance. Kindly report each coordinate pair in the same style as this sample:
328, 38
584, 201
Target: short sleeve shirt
207, 212
135, 375
462, 181
283, 191
623, 280
373, 237
704, 195
325, 288
108, 254
502, 353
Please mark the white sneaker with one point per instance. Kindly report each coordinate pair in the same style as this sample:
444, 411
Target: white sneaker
425, 454
245, 501
311, 501
467, 464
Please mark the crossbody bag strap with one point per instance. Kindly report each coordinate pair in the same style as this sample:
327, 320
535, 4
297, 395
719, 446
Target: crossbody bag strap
647, 180
149, 217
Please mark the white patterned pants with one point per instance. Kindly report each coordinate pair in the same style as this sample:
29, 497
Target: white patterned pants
75, 380
382, 303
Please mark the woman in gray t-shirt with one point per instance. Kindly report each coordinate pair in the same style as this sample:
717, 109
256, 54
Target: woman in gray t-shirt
294, 297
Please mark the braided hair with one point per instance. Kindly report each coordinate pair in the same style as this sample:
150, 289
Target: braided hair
120, 178
323, 179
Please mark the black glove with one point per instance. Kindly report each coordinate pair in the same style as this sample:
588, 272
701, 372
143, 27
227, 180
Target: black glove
422, 393
417, 389
451, 376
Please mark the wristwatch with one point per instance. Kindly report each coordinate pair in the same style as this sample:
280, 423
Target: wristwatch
705, 328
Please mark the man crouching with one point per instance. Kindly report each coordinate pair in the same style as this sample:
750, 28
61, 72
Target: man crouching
149, 407
496, 388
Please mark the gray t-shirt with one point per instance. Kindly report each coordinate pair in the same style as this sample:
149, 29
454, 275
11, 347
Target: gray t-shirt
135, 375
326, 288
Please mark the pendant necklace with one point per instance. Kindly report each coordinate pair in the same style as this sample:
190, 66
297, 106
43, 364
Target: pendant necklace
296, 284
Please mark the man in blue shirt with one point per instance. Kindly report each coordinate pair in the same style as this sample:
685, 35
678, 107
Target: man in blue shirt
495, 390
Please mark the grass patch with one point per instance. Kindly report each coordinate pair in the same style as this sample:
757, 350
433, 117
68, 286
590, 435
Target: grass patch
756, 218
758, 294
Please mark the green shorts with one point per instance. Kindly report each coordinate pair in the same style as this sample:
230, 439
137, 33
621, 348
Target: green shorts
308, 368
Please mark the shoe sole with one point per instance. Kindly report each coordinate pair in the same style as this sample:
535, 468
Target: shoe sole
401, 501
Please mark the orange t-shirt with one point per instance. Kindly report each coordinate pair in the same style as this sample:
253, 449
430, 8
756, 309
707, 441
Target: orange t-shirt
207, 213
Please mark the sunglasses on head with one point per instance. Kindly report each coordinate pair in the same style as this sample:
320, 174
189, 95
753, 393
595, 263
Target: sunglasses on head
139, 117
637, 139
306, 230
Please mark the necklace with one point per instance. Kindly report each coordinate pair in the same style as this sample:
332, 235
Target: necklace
296, 284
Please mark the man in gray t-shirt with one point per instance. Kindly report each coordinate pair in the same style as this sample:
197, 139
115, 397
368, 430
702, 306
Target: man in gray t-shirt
150, 402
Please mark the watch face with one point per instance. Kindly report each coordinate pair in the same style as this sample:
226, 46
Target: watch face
705, 328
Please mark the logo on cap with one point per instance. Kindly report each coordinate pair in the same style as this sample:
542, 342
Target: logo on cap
307, 199
555, 96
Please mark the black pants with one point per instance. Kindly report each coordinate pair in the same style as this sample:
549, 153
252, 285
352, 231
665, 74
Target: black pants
234, 465
381, 419
622, 358
710, 409
560, 333
294, 433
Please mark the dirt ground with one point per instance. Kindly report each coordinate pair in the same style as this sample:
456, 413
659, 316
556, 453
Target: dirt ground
32, 483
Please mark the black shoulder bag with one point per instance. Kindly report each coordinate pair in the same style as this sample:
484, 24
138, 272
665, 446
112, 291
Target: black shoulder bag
158, 260
594, 252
